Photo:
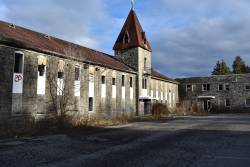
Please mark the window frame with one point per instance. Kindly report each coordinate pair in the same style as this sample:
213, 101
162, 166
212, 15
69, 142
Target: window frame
22, 64
246, 87
247, 105
222, 87
91, 105
103, 79
226, 103
123, 80
113, 81
131, 82
225, 87
79, 73
208, 87
189, 89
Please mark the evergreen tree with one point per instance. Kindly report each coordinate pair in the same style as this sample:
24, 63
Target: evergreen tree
221, 68
239, 66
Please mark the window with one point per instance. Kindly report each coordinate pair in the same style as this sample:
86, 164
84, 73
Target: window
77, 73
247, 87
91, 103
227, 103
123, 80
131, 82
60, 69
18, 66
41, 65
227, 87
144, 83
126, 38
205, 87
248, 102
189, 87
220, 87
103, 80
113, 81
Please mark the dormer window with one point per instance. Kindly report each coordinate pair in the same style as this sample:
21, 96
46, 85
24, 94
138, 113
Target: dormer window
126, 38
143, 34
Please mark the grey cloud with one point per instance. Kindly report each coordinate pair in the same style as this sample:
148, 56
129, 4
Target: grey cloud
193, 50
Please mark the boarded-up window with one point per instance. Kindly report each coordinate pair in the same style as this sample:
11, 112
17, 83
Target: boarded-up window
18, 66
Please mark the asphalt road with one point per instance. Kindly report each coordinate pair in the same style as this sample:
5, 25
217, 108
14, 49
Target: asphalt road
212, 141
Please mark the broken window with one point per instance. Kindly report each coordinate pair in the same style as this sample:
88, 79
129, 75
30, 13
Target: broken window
18, 66
248, 102
131, 82
227, 87
247, 87
220, 87
227, 103
189, 87
91, 103
77, 73
123, 80
41, 65
103, 80
60, 69
113, 81
205, 87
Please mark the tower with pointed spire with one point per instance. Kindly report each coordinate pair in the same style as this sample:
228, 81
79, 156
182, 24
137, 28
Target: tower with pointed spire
133, 49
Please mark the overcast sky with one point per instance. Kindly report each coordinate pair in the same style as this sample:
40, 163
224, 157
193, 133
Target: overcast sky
187, 36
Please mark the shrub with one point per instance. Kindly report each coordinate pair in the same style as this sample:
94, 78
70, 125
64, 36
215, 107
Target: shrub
159, 110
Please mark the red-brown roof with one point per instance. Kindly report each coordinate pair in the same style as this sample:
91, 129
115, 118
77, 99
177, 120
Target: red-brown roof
155, 74
28, 39
137, 36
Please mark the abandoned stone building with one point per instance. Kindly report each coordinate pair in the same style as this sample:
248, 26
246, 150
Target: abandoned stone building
41, 73
223, 93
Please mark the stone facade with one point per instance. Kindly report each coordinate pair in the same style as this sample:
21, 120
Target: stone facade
223, 93
42, 74
29, 103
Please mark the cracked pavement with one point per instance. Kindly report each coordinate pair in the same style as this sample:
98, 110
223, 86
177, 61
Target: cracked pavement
209, 141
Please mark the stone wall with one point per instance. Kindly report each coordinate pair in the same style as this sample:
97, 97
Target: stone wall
237, 93
36, 106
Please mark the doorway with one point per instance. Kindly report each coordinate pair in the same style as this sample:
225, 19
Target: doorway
207, 105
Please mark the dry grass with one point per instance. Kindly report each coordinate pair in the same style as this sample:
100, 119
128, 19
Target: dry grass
160, 110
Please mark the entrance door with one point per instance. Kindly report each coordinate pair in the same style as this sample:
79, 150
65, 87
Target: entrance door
207, 105
147, 108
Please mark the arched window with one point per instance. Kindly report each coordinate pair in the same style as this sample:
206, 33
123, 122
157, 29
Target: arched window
126, 38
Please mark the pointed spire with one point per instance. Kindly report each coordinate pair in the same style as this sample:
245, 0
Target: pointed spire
132, 34
132, 4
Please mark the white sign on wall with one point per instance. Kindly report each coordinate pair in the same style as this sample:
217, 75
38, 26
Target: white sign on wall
41, 84
131, 93
91, 89
77, 86
144, 92
113, 91
123, 92
17, 83
103, 94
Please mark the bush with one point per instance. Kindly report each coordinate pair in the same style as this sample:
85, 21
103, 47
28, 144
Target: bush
159, 110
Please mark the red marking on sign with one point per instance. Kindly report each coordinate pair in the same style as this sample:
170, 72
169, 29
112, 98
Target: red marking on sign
18, 78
